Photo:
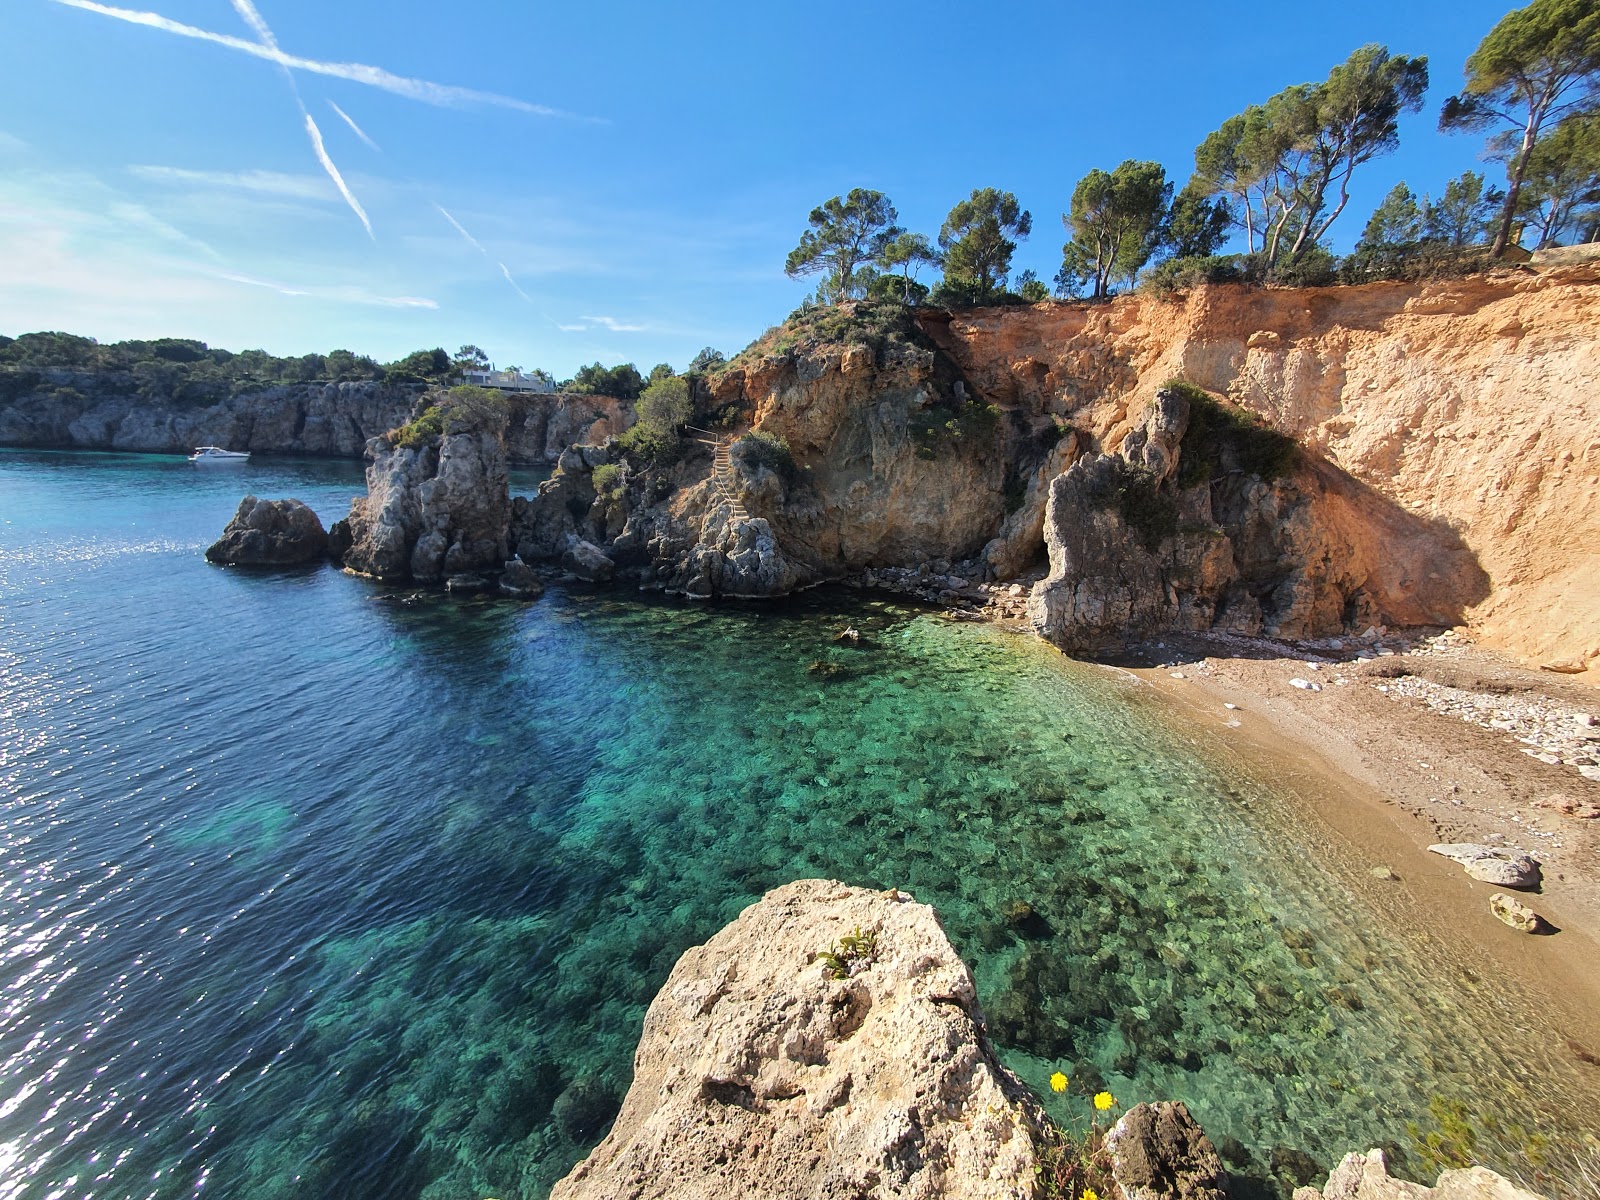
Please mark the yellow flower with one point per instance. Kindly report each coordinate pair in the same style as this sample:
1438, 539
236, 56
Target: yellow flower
1058, 1082
1103, 1101
1090, 1194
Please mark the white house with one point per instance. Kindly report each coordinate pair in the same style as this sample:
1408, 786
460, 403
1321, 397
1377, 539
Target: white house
508, 381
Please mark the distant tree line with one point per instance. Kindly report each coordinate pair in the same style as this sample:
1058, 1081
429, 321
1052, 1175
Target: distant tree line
1276, 177
191, 373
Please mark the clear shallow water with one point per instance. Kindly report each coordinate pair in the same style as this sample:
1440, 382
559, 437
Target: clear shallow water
310, 888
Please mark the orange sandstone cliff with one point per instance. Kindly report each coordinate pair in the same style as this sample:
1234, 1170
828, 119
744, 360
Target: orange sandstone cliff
1472, 405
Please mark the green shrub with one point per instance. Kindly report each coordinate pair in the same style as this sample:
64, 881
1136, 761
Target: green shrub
608, 482
425, 427
1136, 495
877, 324
1223, 439
460, 410
761, 449
940, 426
1181, 274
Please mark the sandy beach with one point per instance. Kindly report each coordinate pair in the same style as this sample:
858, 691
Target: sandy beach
1385, 765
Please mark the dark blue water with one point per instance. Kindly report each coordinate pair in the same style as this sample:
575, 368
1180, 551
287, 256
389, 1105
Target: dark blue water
316, 888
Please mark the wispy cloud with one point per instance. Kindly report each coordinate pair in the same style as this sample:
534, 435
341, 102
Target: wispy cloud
441, 94
615, 326
350, 295
266, 183
356, 129
10, 141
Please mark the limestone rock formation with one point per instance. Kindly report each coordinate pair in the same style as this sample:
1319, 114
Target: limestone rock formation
434, 510
271, 533
1458, 414
1137, 543
1366, 1177
761, 1074
1159, 1152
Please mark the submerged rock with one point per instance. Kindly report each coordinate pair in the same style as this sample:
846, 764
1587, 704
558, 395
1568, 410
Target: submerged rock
519, 580
760, 1074
587, 561
1366, 1177
270, 533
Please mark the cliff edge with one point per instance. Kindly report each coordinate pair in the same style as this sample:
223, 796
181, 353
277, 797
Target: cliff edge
765, 1071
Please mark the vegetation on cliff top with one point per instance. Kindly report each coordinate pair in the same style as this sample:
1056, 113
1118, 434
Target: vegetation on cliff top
459, 410
1276, 175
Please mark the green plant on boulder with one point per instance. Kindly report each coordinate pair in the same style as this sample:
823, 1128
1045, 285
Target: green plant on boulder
759, 448
945, 425
850, 954
1135, 494
1224, 439
609, 483
663, 408
459, 410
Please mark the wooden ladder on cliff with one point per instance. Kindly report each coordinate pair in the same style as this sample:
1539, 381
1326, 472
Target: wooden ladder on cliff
722, 477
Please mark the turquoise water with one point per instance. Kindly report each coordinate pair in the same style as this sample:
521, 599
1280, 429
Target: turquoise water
314, 888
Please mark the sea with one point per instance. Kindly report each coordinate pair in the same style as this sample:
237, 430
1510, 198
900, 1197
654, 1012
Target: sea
315, 887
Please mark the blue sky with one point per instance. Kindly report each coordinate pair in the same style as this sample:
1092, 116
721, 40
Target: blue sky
629, 177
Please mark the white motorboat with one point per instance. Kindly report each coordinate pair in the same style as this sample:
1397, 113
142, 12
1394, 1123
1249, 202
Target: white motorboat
209, 454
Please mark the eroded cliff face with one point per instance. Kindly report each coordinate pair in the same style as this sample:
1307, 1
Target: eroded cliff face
87, 411
1148, 539
1452, 416
872, 486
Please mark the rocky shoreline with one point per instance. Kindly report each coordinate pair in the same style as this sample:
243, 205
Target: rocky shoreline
82, 410
829, 1043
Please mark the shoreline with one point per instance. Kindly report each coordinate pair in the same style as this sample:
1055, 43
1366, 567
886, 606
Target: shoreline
1377, 777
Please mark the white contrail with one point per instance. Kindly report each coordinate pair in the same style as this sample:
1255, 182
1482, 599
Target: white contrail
253, 18
478, 246
333, 173
461, 229
356, 129
515, 286
442, 94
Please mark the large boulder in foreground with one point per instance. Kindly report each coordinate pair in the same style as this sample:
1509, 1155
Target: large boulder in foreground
761, 1074
1366, 1177
270, 533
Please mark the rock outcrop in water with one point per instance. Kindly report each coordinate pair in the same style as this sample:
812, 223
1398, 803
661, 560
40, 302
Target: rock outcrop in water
271, 533
762, 1072
85, 410
433, 510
